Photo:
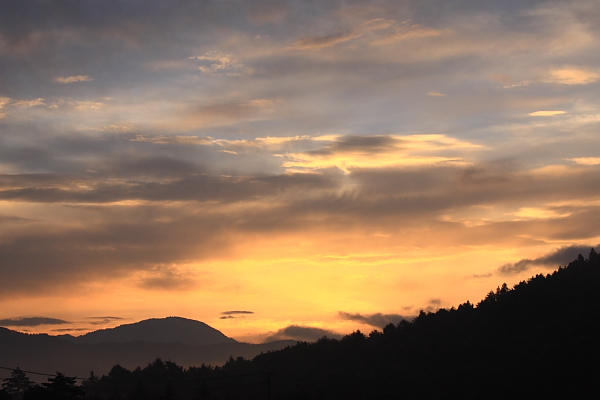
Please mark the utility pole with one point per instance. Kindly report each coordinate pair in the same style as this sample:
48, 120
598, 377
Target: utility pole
269, 385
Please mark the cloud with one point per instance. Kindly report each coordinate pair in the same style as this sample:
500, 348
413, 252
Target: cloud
546, 113
201, 176
436, 94
480, 276
378, 320
505, 79
301, 333
148, 227
236, 312
572, 76
318, 42
538, 212
72, 79
560, 257
220, 63
159, 184
380, 151
408, 31
378, 31
91, 105
223, 113
230, 314
586, 160
4, 101
170, 278
103, 320
70, 330
32, 321
185, 140
29, 103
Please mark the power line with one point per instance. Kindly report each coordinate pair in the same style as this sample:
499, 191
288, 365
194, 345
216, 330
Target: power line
137, 380
37, 373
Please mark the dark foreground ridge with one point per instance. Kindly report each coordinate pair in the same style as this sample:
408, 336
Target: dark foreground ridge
537, 340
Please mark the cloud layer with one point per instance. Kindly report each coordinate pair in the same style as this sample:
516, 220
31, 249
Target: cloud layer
295, 157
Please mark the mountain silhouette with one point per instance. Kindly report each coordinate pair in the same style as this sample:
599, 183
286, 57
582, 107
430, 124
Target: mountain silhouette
157, 330
181, 340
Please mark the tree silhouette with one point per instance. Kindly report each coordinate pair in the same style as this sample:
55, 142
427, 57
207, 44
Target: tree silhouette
17, 384
62, 387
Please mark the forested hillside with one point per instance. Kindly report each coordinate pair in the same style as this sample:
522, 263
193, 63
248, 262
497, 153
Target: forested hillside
538, 339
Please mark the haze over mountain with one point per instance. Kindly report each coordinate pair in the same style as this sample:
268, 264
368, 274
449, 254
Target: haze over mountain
181, 340
156, 330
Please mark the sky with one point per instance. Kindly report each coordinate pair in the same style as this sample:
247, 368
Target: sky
289, 168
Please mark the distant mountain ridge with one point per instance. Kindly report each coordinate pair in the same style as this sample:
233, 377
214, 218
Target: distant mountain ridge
185, 341
156, 330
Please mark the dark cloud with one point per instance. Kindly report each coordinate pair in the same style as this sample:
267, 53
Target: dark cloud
433, 305
70, 330
378, 320
120, 240
236, 312
230, 314
370, 144
301, 333
560, 257
99, 188
104, 320
42, 260
32, 321
167, 278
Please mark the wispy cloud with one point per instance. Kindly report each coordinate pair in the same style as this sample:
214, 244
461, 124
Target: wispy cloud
380, 151
377, 31
236, 312
73, 79
586, 160
174, 140
28, 103
230, 314
32, 321
317, 42
560, 257
546, 113
220, 63
572, 76
103, 320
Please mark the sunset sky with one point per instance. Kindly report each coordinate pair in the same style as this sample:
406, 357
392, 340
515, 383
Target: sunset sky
261, 164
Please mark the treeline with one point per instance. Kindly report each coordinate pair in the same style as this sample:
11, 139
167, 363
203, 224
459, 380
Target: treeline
538, 340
